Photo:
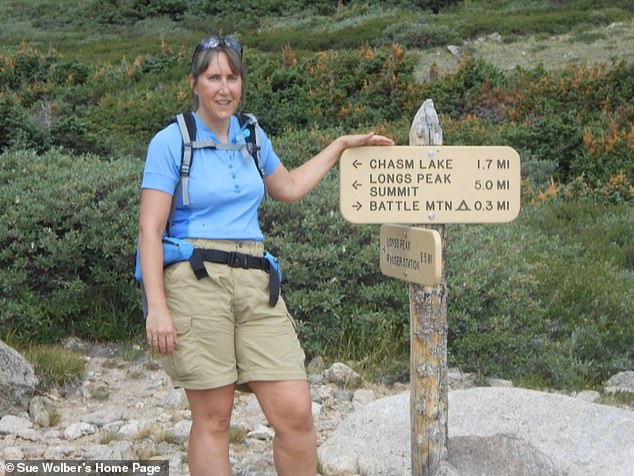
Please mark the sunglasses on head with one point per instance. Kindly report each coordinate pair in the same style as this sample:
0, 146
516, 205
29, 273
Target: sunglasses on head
216, 41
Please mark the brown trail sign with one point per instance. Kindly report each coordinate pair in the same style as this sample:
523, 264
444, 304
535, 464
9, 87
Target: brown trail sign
429, 185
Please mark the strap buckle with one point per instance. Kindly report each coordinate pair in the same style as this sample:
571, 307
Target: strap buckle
237, 260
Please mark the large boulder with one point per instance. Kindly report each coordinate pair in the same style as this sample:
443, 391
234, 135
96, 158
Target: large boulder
492, 431
17, 381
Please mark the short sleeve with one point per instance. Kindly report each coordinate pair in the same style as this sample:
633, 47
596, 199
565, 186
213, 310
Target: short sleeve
270, 160
162, 163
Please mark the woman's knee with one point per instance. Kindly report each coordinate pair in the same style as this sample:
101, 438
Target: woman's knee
296, 417
211, 411
286, 404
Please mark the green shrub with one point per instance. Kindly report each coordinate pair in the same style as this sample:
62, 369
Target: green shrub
359, 88
460, 92
546, 300
332, 285
67, 250
421, 35
579, 117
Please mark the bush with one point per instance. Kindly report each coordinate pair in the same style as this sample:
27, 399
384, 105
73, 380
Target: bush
359, 88
66, 253
421, 35
555, 311
580, 117
332, 282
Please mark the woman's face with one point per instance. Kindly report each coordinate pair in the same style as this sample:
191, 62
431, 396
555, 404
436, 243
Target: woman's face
219, 90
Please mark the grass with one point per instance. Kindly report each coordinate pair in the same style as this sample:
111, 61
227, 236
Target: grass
55, 366
618, 399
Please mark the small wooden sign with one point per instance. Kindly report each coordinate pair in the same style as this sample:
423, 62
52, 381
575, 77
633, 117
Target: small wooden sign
411, 254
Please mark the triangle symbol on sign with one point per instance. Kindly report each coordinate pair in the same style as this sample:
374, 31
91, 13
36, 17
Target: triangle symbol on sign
463, 207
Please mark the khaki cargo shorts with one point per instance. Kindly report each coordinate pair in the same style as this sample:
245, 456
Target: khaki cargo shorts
227, 332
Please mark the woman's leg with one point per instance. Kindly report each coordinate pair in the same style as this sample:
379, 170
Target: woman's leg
287, 406
208, 448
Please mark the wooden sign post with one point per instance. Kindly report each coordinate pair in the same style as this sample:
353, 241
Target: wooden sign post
428, 338
427, 184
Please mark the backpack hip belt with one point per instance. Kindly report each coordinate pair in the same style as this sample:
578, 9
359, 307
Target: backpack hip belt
236, 260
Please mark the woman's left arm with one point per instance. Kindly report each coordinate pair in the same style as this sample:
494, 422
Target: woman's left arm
290, 186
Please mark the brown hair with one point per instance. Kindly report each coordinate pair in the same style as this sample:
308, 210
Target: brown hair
203, 57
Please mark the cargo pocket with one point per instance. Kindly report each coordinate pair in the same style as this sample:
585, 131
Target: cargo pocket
179, 365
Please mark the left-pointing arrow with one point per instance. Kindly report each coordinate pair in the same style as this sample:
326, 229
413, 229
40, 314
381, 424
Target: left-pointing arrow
356, 185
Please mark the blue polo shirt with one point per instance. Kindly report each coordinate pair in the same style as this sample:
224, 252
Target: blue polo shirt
225, 190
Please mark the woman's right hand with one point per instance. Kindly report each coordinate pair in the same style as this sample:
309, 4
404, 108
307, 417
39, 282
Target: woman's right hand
160, 331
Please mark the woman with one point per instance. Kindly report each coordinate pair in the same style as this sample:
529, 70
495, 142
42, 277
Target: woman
220, 333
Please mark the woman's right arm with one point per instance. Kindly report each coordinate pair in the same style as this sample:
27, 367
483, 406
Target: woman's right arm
155, 208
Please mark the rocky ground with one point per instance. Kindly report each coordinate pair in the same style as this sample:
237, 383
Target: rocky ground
126, 409
605, 44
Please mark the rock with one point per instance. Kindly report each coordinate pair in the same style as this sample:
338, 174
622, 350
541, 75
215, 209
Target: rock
40, 409
342, 375
456, 379
354, 447
143, 419
113, 427
13, 425
119, 450
498, 455
261, 432
180, 432
589, 396
445, 468
77, 430
13, 453
495, 36
621, 382
175, 398
345, 395
363, 397
454, 50
129, 430
498, 382
252, 415
581, 438
17, 381
544, 433
103, 417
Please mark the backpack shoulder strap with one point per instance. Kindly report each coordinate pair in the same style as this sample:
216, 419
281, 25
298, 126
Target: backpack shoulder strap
252, 138
187, 126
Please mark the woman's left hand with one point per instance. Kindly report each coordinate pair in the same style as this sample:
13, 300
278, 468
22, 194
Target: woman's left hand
358, 140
